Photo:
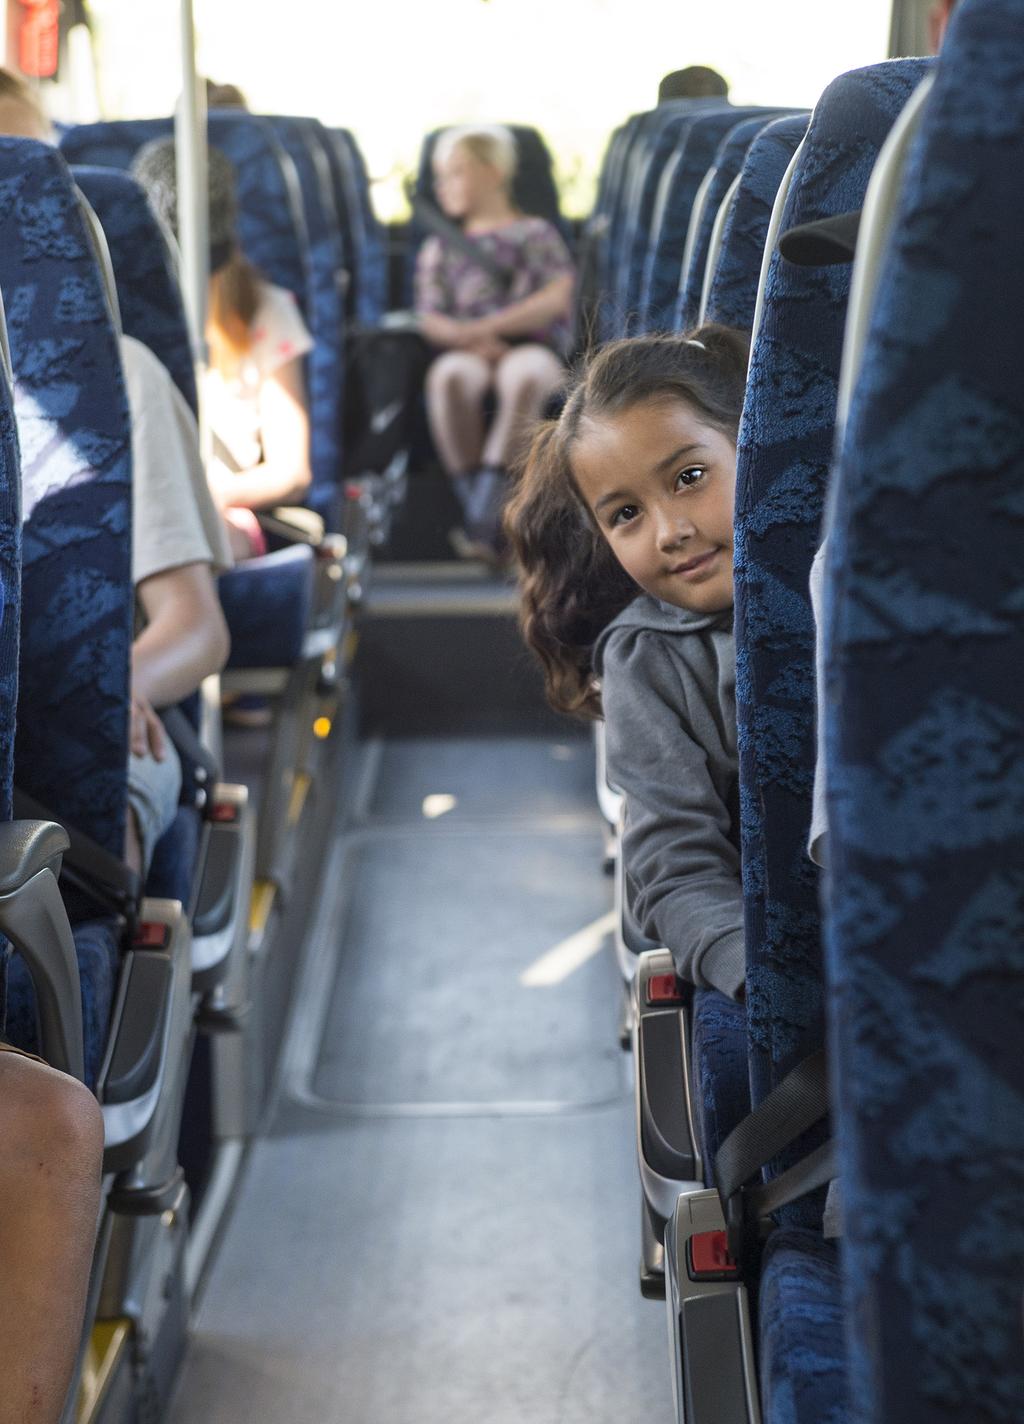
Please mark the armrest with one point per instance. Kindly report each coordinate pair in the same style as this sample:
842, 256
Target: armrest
667, 1152
33, 917
26, 847
203, 766
103, 879
292, 524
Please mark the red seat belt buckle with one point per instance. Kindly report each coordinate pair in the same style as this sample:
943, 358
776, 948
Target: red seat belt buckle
664, 989
151, 934
708, 1257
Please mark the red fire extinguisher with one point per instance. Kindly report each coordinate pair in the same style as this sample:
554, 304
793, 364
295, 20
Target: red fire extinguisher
39, 38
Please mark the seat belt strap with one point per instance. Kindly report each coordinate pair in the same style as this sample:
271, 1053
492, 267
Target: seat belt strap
432, 218
811, 1172
794, 1105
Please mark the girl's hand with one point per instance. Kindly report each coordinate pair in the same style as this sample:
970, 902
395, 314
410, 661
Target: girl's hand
147, 731
478, 333
491, 348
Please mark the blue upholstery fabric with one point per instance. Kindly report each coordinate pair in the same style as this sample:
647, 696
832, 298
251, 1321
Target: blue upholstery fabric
110, 144
925, 741
728, 163
665, 137
733, 294
10, 592
148, 293
267, 603
77, 601
270, 219
803, 1361
278, 191
785, 446
97, 944
626, 180
653, 142
172, 872
721, 1080
10, 613
367, 238
71, 409
658, 289
326, 307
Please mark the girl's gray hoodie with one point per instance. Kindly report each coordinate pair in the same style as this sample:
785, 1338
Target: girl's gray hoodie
668, 687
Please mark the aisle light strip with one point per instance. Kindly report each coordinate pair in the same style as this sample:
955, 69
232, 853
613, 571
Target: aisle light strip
568, 956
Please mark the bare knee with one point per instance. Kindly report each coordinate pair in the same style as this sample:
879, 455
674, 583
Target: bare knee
530, 373
458, 374
51, 1128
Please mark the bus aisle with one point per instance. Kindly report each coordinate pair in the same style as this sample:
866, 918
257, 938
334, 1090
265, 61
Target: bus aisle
439, 1223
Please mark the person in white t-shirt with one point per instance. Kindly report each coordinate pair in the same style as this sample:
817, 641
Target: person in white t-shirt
179, 544
255, 390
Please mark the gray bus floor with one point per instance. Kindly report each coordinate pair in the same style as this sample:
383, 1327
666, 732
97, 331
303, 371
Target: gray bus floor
442, 1221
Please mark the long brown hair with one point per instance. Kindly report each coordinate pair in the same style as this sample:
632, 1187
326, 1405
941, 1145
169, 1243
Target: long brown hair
234, 301
571, 584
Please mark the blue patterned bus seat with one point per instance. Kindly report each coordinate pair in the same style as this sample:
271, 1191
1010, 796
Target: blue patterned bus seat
733, 292
924, 622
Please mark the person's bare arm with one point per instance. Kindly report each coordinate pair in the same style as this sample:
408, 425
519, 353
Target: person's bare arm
533, 313
50, 1178
185, 640
447, 332
284, 474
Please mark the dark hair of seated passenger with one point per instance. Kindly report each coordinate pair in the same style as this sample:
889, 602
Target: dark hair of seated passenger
696, 82
571, 584
234, 302
224, 96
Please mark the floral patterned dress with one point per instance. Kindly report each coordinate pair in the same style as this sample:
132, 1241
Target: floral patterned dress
531, 250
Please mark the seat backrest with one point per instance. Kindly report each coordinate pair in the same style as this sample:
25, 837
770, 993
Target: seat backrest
10, 599
626, 177
275, 236
924, 643
533, 186
369, 241
655, 289
73, 428
10, 578
733, 290
663, 133
270, 219
785, 446
328, 261
728, 162
144, 262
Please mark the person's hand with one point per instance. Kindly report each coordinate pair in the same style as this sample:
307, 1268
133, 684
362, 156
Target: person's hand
147, 731
491, 348
477, 333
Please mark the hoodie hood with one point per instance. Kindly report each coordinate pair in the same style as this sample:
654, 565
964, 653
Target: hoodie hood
650, 615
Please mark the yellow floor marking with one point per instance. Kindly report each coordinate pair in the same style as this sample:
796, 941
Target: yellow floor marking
300, 790
108, 1341
261, 906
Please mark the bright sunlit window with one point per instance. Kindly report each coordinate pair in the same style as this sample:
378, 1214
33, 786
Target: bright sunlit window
397, 68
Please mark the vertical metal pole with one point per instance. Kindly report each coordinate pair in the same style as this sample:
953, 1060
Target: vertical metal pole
193, 202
